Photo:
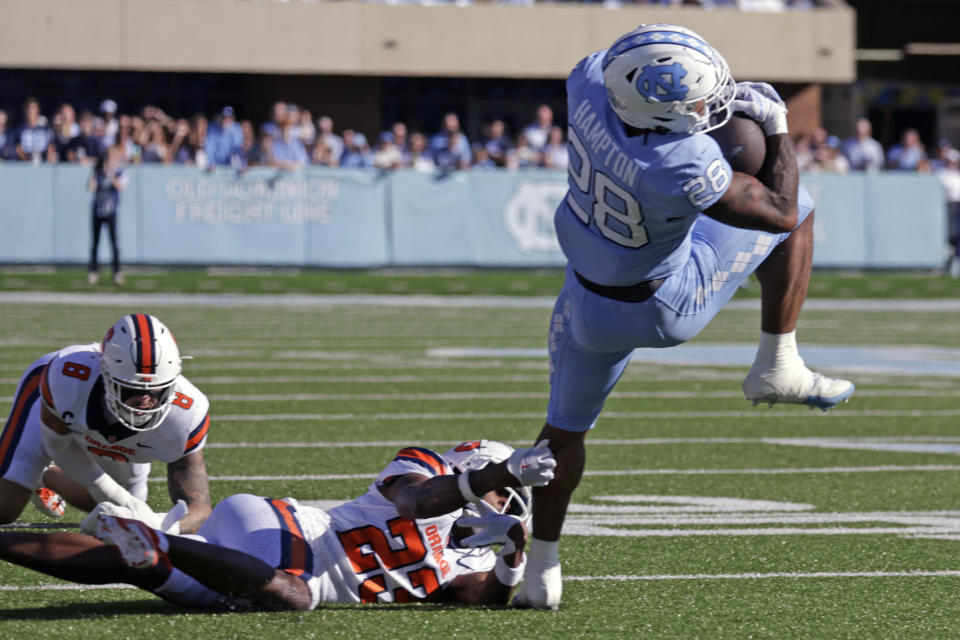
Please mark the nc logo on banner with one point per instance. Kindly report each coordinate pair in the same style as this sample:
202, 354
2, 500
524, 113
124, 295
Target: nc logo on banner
528, 215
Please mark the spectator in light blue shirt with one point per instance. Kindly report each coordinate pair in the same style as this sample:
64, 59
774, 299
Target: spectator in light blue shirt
451, 133
287, 151
862, 151
452, 157
34, 140
909, 154
332, 141
496, 144
537, 131
356, 151
224, 142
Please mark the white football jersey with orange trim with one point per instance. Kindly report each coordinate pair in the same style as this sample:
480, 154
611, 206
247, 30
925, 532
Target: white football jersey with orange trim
72, 388
365, 551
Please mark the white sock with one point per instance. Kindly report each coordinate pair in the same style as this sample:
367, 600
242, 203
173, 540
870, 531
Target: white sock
778, 351
544, 552
162, 541
185, 590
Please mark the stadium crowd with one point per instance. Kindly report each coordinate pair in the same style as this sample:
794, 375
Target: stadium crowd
292, 138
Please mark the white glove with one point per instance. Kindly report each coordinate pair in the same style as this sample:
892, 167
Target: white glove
542, 582
494, 528
171, 519
89, 524
533, 467
763, 104
142, 512
136, 509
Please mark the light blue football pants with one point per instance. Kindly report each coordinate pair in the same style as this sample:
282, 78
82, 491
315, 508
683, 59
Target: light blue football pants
592, 337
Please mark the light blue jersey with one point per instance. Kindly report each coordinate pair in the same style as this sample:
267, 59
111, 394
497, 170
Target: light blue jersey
632, 200
634, 212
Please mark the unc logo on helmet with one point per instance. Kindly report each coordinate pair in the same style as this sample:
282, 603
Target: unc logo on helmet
665, 78
663, 82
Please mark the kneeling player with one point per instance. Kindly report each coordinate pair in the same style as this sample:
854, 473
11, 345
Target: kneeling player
103, 412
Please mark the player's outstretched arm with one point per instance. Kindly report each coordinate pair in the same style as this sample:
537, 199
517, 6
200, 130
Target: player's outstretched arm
79, 465
416, 496
496, 586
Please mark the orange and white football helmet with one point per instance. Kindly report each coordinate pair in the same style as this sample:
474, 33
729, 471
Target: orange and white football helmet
138, 355
476, 454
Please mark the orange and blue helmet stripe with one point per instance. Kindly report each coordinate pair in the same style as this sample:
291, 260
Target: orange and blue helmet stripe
146, 355
28, 393
296, 556
425, 458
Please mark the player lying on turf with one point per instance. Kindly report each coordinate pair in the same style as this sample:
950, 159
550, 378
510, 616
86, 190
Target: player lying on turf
103, 412
414, 536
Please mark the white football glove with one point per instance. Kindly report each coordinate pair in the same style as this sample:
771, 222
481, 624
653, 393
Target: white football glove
493, 526
763, 104
89, 524
542, 581
137, 509
533, 467
170, 522
141, 511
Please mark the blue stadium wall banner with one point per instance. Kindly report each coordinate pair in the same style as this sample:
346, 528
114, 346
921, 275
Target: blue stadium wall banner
353, 218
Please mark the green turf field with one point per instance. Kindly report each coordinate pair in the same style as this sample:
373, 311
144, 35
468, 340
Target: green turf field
699, 516
509, 282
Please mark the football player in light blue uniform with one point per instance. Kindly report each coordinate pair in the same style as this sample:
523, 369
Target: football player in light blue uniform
660, 232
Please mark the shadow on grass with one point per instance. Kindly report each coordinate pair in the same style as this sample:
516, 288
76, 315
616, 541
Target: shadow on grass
87, 610
92, 610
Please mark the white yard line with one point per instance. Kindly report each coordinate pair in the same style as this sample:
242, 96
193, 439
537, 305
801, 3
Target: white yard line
839, 441
203, 381
775, 472
841, 413
764, 576
539, 395
624, 472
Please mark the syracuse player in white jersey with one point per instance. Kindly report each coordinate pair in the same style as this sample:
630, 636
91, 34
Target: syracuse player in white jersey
660, 233
102, 413
422, 532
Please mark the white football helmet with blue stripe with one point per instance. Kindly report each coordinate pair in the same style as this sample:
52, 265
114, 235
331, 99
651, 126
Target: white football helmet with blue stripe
139, 356
667, 78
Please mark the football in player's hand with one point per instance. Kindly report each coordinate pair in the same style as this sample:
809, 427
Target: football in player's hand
743, 144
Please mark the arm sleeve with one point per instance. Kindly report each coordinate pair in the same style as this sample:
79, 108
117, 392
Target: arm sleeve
77, 463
